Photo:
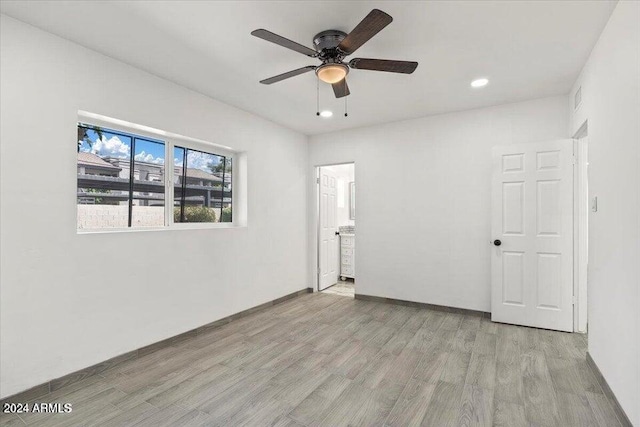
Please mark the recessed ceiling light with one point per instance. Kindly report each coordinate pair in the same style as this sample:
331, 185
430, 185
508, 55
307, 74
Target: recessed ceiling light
479, 82
326, 113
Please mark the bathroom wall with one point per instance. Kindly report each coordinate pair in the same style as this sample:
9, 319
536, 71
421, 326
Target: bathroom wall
345, 176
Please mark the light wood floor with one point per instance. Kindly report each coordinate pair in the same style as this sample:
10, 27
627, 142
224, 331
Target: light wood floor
342, 288
328, 360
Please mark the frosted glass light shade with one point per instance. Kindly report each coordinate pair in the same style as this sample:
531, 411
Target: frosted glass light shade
332, 73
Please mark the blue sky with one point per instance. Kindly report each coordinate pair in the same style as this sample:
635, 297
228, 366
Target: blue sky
119, 146
148, 151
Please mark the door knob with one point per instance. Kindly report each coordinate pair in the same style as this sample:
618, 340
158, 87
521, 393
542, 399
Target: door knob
337, 233
497, 242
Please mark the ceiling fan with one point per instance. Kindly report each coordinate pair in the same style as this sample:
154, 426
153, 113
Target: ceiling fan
332, 46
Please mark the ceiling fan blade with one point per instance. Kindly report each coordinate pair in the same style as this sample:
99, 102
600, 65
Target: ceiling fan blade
341, 89
404, 67
371, 25
284, 42
288, 74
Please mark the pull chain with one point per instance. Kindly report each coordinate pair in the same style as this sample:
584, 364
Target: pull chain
345, 106
317, 97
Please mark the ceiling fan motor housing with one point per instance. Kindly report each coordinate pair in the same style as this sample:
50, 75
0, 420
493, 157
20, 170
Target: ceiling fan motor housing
329, 39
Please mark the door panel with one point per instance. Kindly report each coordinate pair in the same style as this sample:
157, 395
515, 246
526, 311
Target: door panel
513, 277
513, 208
328, 254
548, 208
549, 281
532, 216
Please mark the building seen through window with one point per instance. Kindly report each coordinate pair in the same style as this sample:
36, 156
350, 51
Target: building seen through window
122, 179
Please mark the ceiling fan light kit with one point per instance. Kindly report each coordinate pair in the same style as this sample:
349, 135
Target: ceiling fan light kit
331, 48
332, 73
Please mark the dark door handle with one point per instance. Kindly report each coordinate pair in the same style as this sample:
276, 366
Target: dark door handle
497, 242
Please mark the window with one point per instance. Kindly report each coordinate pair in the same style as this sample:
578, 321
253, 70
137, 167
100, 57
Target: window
123, 179
202, 186
147, 197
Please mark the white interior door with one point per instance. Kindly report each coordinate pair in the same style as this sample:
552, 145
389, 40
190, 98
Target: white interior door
328, 250
532, 217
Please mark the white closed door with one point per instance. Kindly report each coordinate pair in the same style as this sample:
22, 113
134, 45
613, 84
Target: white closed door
328, 251
532, 235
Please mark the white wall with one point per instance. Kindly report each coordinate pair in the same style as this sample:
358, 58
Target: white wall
423, 197
610, 84
69, 301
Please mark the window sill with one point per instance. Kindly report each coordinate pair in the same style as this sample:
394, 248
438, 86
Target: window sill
175, 227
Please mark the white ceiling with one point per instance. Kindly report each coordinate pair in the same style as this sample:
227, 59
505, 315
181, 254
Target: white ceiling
528, 49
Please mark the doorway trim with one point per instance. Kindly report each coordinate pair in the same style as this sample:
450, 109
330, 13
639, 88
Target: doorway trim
581, 229
316, 218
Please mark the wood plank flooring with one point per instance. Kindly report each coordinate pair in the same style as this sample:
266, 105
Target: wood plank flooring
342, 288
326, 360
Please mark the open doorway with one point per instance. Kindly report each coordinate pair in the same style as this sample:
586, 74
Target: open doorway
336, 229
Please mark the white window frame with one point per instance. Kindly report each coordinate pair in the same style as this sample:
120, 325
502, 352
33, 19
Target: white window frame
170, 140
